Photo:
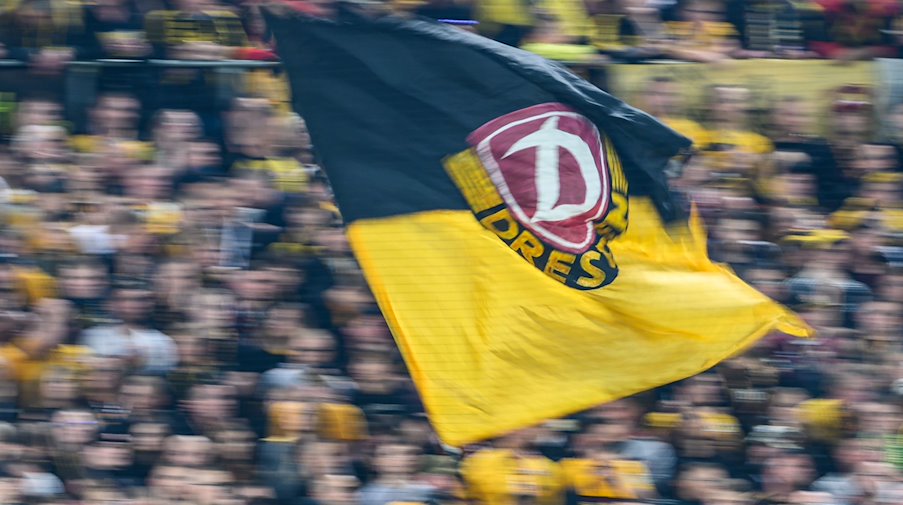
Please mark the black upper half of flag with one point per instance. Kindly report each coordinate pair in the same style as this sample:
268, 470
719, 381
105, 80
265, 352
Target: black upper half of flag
386, 100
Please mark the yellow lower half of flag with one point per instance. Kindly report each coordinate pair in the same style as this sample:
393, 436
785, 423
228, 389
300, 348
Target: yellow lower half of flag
494, 344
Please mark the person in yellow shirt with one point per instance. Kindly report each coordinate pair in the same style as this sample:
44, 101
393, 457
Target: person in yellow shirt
662, 100
702, 34
513, 473
602, 475
41, 347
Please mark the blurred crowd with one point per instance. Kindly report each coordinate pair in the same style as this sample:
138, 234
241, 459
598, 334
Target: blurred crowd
47, 34
182, 322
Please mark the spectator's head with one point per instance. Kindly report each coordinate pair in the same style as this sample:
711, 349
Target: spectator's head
312, 347
42, 146
116, 115
730, 106
788, 472
397, 458
320, 458
851, 121
108, 456
168, 481
212, 403
101, 378
149, 183
175, 127
340, 489
235, 444
74, 428
662, 97
131, 302
204, 154
704, 11
143, 394
214, 309
186, 451
253, 285
695, 482
792, 115
39, 112
728, 497
878, 419
873, 157
148, 435
59, 388
83, 279
878, 318
811, 498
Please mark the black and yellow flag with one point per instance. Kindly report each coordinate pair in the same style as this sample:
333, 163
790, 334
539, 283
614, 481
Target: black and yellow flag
486, 194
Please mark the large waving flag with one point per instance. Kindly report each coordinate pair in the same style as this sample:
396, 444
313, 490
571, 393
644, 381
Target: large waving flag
486, 195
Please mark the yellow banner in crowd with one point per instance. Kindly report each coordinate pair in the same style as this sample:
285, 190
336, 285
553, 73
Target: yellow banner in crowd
810, 80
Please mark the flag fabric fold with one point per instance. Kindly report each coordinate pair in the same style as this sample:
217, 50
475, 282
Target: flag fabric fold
508, 217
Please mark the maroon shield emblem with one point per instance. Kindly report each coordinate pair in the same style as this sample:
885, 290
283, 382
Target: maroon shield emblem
549, 165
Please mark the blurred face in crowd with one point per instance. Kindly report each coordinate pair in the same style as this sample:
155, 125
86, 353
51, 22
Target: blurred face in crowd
149, 182
336, 489
789, 472
314, 348
102, 378
10, 490
142, 394
253, 285
235, 445
215, 309
810, 498
851, 125
322, 458
730, 105
108, 455
374, 373
879, 318
83, 281
885, 194
74, 428
368, 332
784, 407
187, 451
832, 256
703, 390
397, 459
880, 419
704, 11
697, 482
116, 114
875, 158
59, 387
168, 481
212, 402
891, 287
769, 281
204, 155
895, 123
309, 218
662, 98
148, 437
793, 115
282, 323
727, 497
177, 126
132, 306
39, 112
735, 232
